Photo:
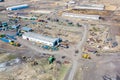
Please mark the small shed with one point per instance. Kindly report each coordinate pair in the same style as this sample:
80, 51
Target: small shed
15, 26
26, 29
4, 24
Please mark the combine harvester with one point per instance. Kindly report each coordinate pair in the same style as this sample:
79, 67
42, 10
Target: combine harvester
86, 56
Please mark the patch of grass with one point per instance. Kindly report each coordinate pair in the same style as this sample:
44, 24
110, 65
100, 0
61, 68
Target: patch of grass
63, 71
10, 57
6, 57
95, 29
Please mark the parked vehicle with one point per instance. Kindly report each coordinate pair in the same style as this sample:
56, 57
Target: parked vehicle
64, 44
86, 56
15, 43
39, 20
45, 47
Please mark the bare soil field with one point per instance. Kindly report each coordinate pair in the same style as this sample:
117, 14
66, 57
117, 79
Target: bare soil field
103, 67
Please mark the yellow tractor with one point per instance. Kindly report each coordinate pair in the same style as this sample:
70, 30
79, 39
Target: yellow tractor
12, 42
15, 44
86, 56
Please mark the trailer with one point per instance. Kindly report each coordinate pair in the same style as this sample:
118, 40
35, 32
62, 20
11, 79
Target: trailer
18, 7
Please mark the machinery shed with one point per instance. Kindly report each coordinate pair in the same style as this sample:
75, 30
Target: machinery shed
41, 39
18, 7
82, 16
90, 6
1, 0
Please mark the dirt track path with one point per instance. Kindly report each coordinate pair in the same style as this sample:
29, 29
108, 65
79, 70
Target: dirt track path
75, 60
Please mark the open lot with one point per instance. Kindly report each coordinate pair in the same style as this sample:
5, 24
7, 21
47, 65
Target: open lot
100, 39
103, 67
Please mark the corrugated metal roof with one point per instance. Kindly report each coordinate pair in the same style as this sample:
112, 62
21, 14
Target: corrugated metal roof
11, 37
18, 7
14, 26
82, 16
39, 36
5, 40
26, 28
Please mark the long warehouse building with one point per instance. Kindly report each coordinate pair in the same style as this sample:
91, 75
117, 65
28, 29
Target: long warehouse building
18, 7
90, 6
81, 16
41, 39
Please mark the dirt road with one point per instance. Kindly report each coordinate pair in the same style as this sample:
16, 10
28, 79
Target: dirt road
75, 60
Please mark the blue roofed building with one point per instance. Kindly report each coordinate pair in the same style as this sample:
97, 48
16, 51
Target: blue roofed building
1, 28
1, 0
5, 40
18, 7
11, 37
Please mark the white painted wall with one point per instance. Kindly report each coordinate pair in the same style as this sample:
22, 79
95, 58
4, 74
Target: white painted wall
82, 16
90, 6
38, 40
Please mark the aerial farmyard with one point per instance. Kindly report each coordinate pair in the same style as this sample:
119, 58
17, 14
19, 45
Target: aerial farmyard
59, 40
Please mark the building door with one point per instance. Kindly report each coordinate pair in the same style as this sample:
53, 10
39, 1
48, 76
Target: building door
55, 43
27, 38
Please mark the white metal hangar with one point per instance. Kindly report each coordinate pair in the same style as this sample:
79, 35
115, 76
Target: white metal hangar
18, 7
41, 39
